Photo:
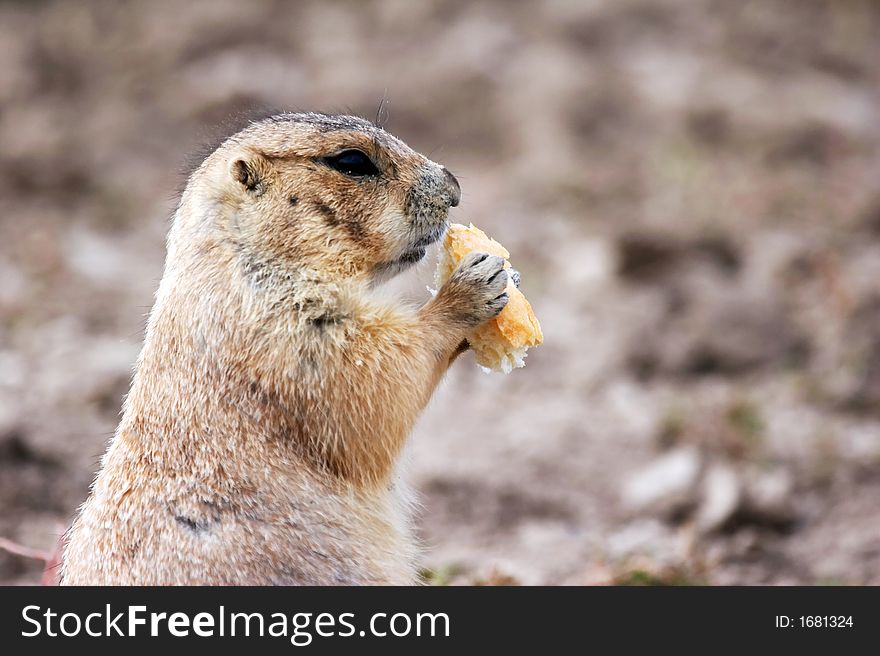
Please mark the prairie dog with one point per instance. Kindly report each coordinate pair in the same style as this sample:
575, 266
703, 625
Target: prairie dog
260, 439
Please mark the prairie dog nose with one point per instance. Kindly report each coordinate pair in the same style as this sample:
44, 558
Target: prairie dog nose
453, 187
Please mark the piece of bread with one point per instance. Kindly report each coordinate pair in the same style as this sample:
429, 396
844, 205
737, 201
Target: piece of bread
501, 343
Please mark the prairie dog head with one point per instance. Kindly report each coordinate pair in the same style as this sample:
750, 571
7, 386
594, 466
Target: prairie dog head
335, 195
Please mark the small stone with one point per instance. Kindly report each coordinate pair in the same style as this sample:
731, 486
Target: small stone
666, 486
769, 496
721, 498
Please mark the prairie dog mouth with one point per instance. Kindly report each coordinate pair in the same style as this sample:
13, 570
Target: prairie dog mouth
415, 253
413, 256
420, 245
436, 234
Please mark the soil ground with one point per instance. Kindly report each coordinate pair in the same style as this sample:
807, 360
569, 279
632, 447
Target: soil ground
691, 190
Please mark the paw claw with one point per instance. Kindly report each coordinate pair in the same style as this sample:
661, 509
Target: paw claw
499, 303
479, 284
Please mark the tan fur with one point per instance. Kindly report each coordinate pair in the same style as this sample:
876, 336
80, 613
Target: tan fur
260, 440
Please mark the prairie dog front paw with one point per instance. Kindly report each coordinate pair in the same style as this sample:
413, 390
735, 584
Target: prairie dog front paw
475, 291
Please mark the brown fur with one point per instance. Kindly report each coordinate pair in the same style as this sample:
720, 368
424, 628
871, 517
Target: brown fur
259, 443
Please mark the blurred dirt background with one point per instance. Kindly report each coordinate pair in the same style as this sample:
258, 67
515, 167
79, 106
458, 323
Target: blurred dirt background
691, 190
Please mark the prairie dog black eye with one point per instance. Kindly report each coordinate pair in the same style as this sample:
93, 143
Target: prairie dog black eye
352, 162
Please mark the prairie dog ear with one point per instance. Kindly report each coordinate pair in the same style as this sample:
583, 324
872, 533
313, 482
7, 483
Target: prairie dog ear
249, 170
